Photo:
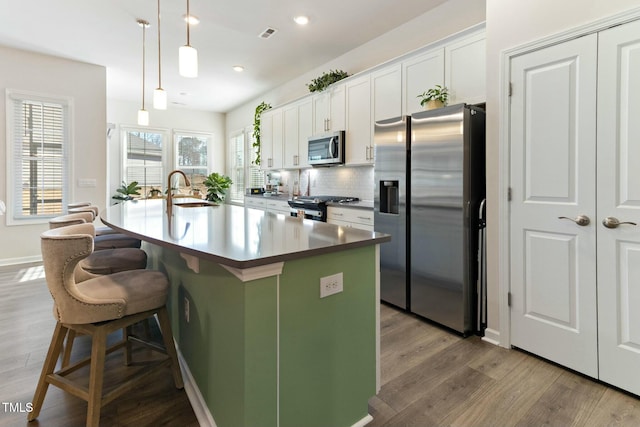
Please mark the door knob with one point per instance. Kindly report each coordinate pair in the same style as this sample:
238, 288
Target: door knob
581, 220
613, 222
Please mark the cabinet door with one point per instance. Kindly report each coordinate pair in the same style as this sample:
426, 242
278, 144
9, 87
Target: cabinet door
419, 74
553, 159
291, 140
305, 130
277, 140
359, 125
465, 74
337, 118
321, 112
619, 197
387, 93
266, 139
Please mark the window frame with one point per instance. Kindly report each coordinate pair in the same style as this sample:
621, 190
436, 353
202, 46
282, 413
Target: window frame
67, 102
189, 133
165, 162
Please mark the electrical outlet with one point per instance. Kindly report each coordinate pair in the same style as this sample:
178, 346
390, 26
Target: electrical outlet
330, 285
186, 309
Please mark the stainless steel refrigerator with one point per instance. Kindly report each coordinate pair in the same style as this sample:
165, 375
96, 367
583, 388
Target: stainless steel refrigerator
430, 182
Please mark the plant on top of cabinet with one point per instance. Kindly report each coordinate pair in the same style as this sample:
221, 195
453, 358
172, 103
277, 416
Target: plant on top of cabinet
436, 97
263, 106
127, 191
321, 83
217, 186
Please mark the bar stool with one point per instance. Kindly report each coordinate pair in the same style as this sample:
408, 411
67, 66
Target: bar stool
77, 207
106, 237
98, 307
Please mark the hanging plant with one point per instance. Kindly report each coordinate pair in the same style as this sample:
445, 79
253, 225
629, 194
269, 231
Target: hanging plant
263, 106
321, 83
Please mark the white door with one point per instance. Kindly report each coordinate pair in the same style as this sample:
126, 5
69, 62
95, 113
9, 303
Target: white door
553, 155
619, 197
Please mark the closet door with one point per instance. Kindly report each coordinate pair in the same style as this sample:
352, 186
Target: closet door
619, 198
553, 149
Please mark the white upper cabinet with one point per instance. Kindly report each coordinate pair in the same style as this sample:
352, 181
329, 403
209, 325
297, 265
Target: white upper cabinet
465, 74
329, 109
271, 139
297, 129
359, 136
387, 92
420, 74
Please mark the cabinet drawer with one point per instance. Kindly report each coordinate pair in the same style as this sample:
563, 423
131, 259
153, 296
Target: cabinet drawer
358, 216
255, 202
279, 206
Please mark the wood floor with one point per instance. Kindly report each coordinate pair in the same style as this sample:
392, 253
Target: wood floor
430, 377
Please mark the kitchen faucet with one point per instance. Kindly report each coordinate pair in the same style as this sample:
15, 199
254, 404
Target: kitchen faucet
169, 194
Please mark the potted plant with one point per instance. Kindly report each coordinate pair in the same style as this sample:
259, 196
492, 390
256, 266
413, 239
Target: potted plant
321, 83
155, 193
127, 191
263, 106
217, 186
436, 97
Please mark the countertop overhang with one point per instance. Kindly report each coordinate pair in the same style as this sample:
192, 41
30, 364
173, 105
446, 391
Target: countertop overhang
234, 236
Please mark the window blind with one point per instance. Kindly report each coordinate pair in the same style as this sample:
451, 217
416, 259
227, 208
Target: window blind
40, 158
236, 192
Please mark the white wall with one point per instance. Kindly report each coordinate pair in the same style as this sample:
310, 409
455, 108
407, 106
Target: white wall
125, 113
510, 24
446, 19
86, 85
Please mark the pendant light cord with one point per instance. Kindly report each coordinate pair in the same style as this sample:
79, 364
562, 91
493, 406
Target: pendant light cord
159, 60
144, 31
188, 24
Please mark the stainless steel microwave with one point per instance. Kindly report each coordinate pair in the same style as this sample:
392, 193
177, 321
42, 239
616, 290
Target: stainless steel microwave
327, 149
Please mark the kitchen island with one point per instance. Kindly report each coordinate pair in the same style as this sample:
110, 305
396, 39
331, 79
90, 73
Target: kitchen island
260, 347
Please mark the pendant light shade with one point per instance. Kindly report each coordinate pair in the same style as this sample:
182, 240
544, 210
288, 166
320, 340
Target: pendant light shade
143, 115
187, 55
159, 95
188, 61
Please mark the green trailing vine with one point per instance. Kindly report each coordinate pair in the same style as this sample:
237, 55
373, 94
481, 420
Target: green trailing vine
263, 106
321, 83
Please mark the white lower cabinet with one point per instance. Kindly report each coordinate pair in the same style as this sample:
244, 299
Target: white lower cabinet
350, 217
255, 203
278, 206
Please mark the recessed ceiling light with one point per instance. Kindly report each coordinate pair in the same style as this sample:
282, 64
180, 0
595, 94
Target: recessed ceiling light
191, 19
238, 68
301, 20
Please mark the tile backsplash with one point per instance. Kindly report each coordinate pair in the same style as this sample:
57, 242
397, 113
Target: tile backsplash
354, 181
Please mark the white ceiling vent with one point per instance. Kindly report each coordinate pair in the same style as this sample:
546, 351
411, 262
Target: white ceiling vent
267, 33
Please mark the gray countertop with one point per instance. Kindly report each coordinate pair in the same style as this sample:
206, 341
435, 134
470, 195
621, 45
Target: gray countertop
233, 235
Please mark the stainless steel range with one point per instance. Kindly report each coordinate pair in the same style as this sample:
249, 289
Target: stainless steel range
315, 207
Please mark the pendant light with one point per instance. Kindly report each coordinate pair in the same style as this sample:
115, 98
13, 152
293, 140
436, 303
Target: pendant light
187, 55
143, 115
159, 95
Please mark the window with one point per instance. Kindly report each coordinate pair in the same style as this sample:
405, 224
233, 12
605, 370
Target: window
39, 147
144, 154
192, 157
236, 192
255, 177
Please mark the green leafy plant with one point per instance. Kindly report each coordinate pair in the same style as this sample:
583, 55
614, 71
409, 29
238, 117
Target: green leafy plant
437, 93
127, 191
321, 83
217, 186
155, 192
263, 106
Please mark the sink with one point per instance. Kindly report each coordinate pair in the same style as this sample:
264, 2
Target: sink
194, 204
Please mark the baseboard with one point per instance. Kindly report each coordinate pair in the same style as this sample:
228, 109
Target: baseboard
205, 419
17, 261
491, 336
363, 422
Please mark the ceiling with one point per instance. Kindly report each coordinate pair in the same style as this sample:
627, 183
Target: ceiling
105, 32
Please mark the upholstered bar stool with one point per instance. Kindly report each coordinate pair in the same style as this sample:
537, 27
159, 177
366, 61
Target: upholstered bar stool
78, 207
106, 237
98, 307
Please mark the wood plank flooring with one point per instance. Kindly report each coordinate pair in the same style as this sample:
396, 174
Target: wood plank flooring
430, 377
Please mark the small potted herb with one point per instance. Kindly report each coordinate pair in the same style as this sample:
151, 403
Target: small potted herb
155, 193
127, 191
436, 97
